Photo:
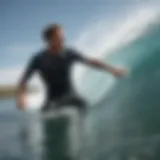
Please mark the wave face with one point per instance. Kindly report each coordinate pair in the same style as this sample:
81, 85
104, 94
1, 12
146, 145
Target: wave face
124, 113
125, 117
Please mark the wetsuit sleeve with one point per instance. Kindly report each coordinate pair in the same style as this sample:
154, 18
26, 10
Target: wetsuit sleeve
77, 56
31, 67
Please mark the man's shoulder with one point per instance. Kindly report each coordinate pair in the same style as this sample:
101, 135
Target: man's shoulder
70, 51
40, 54
75, 55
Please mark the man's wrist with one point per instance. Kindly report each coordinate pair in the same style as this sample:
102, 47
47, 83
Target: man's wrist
110, 69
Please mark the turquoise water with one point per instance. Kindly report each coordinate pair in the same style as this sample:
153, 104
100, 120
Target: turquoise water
123, 123
126, 121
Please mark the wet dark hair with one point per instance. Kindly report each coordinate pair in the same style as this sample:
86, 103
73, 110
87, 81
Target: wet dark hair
50, 30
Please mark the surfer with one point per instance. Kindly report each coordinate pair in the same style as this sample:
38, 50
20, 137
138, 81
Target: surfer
54, 64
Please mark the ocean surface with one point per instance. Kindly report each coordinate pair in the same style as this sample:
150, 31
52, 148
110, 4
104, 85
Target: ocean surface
123, 122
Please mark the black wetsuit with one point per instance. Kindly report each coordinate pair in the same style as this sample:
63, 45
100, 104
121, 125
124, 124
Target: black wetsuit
55, 70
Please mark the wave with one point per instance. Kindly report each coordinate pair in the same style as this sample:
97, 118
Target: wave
104, 40
129, 110
124, 110
121, 49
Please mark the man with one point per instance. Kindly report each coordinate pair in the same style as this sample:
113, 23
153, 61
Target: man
54, 65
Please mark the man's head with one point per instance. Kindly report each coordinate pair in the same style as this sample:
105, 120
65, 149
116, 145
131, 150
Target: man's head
54, 36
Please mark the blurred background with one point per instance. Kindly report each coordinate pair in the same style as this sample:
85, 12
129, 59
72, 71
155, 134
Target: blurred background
123, 120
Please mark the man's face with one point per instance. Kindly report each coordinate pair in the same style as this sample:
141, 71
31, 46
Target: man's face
57, 40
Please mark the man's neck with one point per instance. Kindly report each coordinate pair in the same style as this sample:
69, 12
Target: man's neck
55, 50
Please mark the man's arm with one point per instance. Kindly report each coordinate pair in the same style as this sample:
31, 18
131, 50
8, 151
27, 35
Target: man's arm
104, 66
77, 56
22, 86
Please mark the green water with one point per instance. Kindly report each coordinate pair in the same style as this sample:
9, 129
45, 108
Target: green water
123, 123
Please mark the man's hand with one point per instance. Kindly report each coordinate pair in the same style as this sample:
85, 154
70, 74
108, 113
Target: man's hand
119, 72
21, 102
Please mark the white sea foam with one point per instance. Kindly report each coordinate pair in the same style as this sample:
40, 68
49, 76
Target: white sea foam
102, 37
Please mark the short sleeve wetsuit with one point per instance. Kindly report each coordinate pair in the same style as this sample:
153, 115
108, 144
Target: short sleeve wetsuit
55, 70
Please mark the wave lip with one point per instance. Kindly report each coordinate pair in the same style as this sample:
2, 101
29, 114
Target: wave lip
104, 40
103, 37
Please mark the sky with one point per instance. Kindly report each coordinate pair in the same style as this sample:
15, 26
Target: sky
23, 20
